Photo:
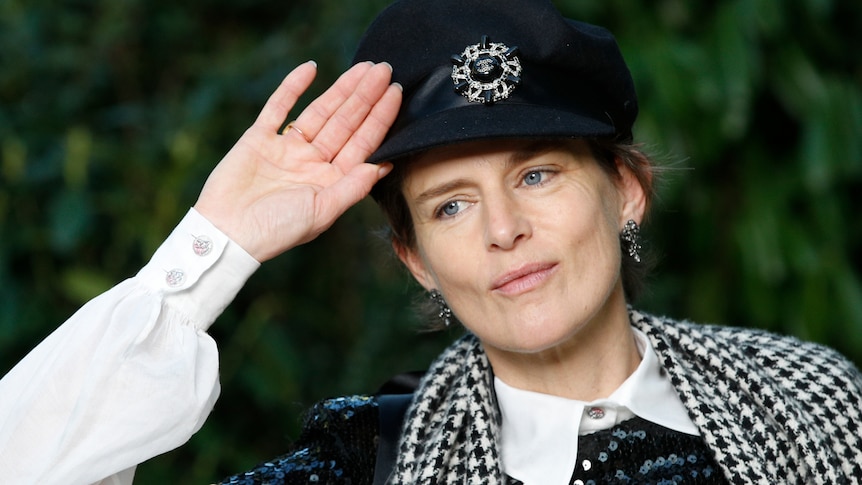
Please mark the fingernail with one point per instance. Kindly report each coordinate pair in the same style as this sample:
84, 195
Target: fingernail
399, 86
313, 63
389, 65
383, 169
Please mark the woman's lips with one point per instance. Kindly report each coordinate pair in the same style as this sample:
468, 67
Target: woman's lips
523, 279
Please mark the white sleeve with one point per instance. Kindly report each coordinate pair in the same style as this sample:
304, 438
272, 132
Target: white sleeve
131, 375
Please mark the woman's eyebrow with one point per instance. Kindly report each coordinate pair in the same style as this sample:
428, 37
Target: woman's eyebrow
441, 189
531, 151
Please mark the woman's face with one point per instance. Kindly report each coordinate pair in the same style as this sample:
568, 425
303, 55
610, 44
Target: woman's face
521, 238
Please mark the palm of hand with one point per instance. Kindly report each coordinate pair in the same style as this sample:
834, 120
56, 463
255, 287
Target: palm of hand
272, 192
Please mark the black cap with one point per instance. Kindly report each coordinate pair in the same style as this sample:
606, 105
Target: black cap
483, 69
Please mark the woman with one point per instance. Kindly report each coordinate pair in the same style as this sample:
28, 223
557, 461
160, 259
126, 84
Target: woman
514, 200
515, 196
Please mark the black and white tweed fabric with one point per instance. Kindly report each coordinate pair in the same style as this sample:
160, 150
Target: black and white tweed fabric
452, 426
771, 409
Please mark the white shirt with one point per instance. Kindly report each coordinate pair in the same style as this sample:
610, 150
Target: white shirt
540, 432
131, 375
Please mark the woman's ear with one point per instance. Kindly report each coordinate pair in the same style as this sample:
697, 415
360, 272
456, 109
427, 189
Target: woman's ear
633, 195
415, 264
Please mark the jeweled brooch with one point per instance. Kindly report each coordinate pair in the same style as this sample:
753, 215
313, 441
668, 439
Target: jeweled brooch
486, 72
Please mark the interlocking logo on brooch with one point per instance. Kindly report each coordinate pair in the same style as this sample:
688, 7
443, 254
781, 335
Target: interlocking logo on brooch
486, 72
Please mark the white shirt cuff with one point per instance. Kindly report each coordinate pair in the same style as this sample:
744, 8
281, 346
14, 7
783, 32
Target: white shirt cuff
198, 269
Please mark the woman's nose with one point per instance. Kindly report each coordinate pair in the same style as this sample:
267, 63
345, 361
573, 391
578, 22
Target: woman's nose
505, 223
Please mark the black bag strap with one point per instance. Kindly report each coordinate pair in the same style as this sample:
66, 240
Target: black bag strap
392, 408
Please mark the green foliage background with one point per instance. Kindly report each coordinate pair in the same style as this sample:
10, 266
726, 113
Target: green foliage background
112, 113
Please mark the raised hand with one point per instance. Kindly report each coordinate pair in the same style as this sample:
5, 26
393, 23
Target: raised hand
274, 191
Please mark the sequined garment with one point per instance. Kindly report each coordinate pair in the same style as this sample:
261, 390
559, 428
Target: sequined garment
338, 444
637, 451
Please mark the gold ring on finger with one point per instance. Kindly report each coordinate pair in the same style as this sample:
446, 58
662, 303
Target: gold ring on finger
292, 126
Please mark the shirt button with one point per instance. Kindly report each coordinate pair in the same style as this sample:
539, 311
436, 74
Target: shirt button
587, 465
175, 277
596, 413
202, 245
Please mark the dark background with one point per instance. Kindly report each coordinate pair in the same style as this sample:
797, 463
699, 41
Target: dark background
113, 112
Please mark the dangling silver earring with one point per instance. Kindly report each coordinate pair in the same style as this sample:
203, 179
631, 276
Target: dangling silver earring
445, 313
631, 236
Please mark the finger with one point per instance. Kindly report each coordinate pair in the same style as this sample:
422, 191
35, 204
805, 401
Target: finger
285, 96
371, 132
291, 129
316, 114
349, 117
348, 190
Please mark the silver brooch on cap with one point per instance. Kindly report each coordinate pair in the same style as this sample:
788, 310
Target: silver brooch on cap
486, 72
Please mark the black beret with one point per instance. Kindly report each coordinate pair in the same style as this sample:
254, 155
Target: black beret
483, 69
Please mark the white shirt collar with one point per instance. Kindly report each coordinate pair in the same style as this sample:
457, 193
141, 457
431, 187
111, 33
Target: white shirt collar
540, 431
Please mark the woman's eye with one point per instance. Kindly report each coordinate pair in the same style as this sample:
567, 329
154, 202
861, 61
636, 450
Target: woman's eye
450, 208
534, 177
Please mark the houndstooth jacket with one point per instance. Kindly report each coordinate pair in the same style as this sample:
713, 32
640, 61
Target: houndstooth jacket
771, 409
